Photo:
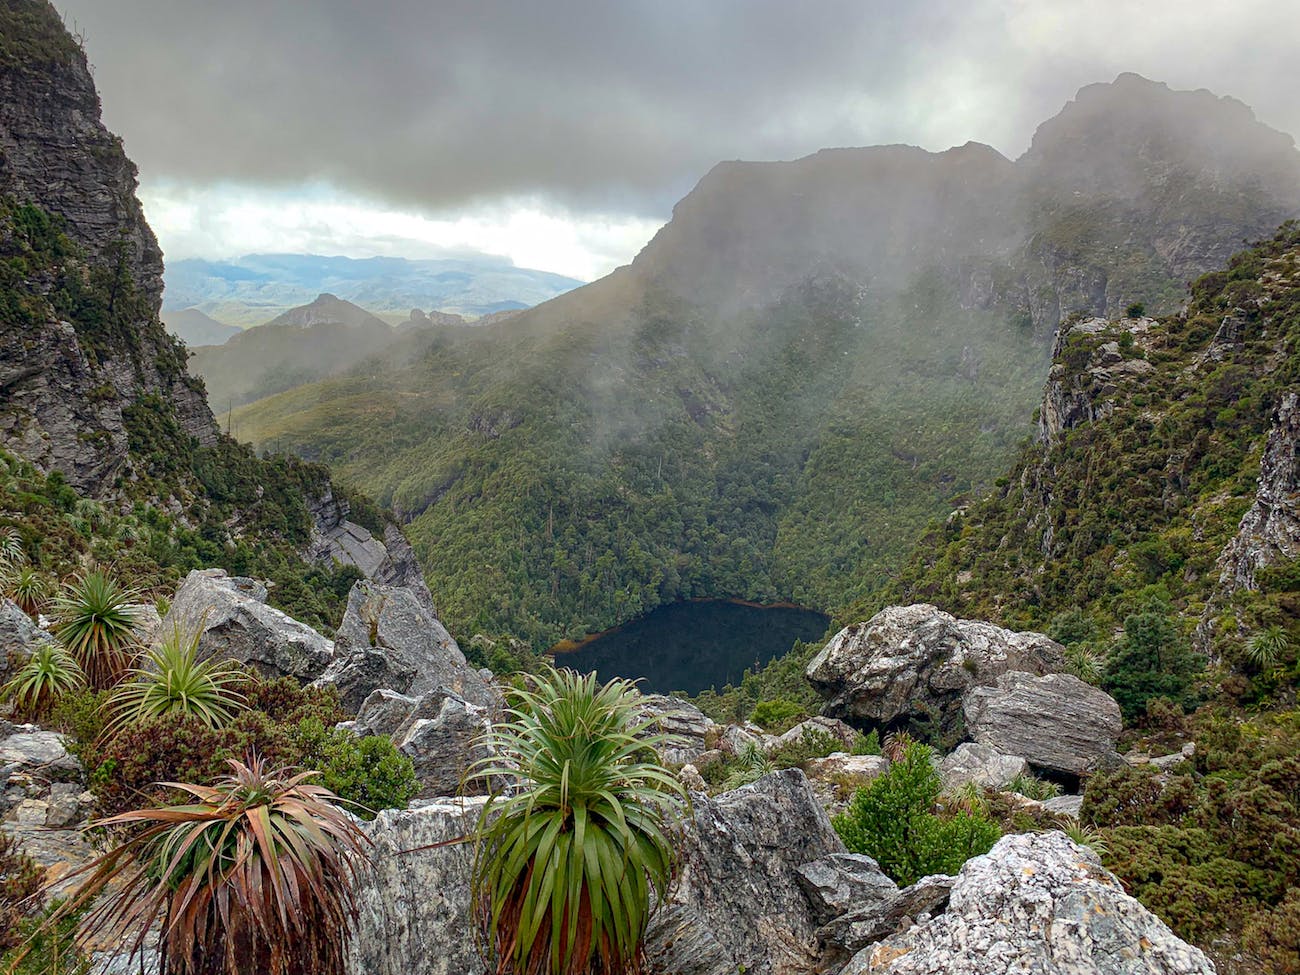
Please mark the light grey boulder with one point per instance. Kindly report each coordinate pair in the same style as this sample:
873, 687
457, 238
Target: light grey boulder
837, 776
692, 731
390, 639
843, 733
445, 746
985, 766
236, 624
413, 898
840, 882
19, 636
1057, 722
735, 738
917, 662
739, 904
873, 920
1064, 806
385, 712
1040, 905
28, 748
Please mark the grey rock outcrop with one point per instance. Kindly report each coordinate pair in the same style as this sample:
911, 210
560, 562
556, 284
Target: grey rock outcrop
918, 661
444, 746
390, 639
1056, 722
837, 776
838, 883
1037, 904
689, 727
1087, 393
389, 561
236, 624
19, 635
875, 919
29, 748
1270, 529
739, 904
843, 733
985, 766
414, 909
62, 396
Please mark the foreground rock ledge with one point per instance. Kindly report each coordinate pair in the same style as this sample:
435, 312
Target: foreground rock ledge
1040, 905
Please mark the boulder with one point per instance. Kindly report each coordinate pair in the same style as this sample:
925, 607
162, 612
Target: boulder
837, 776
414, 914
917, 662
1068, 806
27, 748
1057, 722
739, 904
985, 766
691, 729
837, 883
444, 746
1036, 903
236, 624
390, 638
19, 636
869, 922
736, 738
843, 733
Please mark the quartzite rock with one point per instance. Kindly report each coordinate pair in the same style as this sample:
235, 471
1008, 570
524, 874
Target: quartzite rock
1057, 722
873, 920
843, 733
414, 915
688, 726
840, 882
19, 635
918, 661
738, 905
236, 624
389, 638
444, 746
985, 766
1040, 905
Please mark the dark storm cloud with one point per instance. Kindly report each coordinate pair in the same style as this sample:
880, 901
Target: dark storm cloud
621, 104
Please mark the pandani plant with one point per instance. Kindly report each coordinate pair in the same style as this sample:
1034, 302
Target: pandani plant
96, 621
575, 842
170, 679
46, 676
25, 586
254, 876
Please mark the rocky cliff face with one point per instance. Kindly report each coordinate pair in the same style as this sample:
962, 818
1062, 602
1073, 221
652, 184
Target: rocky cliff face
81, 344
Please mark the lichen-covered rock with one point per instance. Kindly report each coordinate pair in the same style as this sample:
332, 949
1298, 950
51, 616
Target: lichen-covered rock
873, 919
236, 624
1040, 905
738, 904
19, 635
840, 882
414, 912
389, 638
985, 766
1056, 722
918, 661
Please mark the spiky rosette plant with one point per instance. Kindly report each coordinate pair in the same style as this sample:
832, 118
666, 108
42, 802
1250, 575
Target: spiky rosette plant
11, 547
48, 674
170, 679
570, 850
96, 621
256, 875
25, 586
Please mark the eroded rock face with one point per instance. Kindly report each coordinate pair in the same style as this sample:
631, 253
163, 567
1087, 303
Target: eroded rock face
237, 625
414, 898
388, 561
1087, 393
739, 904
1038, 904
389, 638
1056, 722
918, 661
1270, 529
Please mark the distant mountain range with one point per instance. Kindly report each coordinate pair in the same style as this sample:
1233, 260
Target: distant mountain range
256, 288
196, 328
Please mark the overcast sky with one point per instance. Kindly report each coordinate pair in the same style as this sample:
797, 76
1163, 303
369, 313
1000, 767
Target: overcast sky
560, 133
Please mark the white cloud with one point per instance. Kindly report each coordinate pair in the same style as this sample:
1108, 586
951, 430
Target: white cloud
228, 220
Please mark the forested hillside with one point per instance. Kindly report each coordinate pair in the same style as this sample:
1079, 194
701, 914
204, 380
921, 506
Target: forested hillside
806, 365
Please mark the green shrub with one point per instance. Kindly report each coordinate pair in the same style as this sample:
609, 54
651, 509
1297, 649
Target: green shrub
893, 819
813, 743
778, 716
369, 773
1152, 660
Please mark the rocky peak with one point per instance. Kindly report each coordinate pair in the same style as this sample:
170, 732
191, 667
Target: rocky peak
83, 344
328, 309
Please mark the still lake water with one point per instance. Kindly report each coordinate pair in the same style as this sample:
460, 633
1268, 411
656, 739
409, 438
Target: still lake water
692, 646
